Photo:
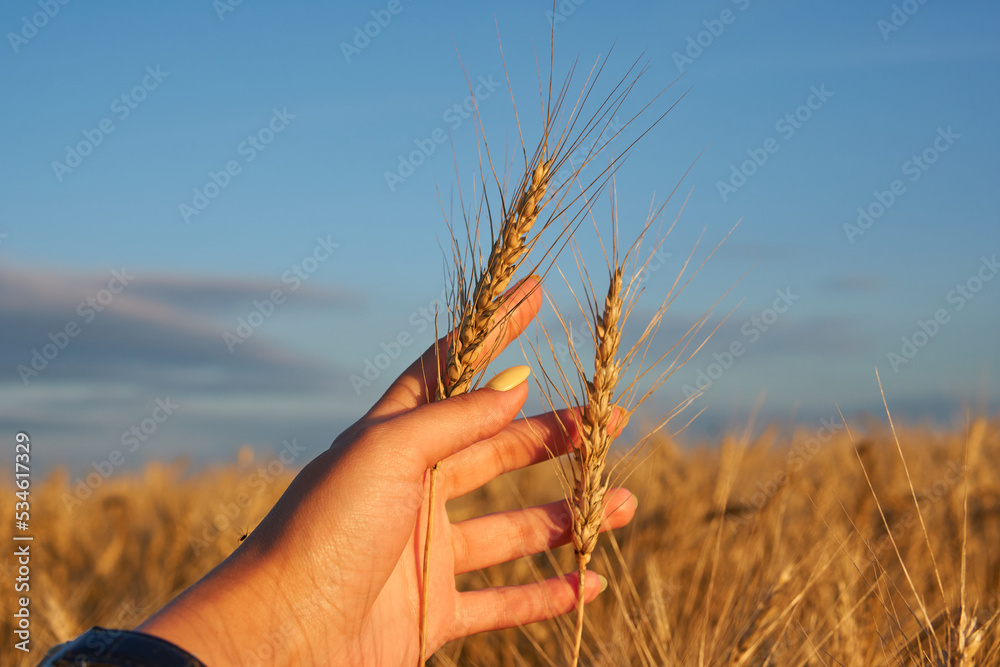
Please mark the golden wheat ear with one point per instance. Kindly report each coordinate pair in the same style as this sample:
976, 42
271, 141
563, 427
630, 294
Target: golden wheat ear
597, 392
545, 200
480, 284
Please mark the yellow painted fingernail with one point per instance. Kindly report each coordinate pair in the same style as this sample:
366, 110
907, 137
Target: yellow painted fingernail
623, 417
516, 286
509, 378
604, 582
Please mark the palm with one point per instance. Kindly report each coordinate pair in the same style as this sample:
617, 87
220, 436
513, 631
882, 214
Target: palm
395, 614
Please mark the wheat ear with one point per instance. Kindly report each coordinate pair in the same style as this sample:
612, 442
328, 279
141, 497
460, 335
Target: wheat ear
475, 314
591, 483
589, 475
508, 249
466, 356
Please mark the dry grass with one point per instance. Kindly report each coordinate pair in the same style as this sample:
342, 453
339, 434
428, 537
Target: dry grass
773, 551
769, 550
115, 557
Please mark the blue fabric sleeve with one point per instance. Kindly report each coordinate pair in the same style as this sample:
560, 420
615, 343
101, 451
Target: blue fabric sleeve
101, 647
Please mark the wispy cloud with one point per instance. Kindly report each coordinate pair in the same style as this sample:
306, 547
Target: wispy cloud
163, 330
158, 335
855, 283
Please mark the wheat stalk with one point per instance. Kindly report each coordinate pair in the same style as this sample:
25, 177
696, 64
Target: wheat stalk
591, 455
474, 312
589, 477
478, 321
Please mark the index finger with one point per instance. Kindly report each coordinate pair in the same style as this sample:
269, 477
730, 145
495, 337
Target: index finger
418, 382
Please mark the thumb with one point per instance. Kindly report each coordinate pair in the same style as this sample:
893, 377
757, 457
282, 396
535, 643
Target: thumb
434, 431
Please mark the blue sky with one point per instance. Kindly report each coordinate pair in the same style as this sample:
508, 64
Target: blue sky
178, 164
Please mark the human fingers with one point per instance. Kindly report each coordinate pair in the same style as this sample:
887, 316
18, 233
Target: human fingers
511, 606
417, 383
420, 438
523, 443
497, 538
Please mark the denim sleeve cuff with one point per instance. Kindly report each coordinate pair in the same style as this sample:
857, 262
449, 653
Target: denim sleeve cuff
100, 647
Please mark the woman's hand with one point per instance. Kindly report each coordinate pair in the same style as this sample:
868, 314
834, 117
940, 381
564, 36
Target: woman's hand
332, 574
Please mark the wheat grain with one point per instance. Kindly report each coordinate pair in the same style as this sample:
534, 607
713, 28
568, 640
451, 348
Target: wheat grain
591, 455
465, 358
508, 251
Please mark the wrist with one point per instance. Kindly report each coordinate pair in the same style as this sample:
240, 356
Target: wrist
194, 627
226, 617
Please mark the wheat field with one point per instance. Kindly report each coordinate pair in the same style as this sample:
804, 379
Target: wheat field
774, 549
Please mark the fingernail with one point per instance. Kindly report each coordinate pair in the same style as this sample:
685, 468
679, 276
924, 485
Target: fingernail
623, 417
635, 503
604, 582
513, 288
509, 378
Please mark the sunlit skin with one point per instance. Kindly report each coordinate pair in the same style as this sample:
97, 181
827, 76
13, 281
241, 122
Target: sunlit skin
331, 575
